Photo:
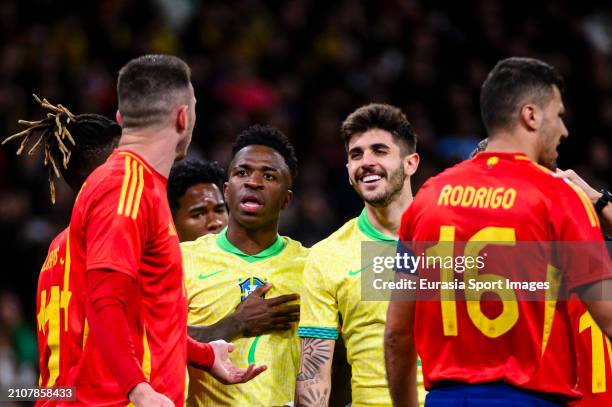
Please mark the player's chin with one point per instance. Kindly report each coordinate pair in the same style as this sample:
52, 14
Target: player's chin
372, 194
376, 200
371, 190
551, 162
250, 219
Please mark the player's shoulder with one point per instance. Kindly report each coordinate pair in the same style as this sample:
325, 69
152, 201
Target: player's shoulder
446, 176
337, 248
294, 247
563, 186
124, 177
60, 239
346, 233
197, 253
516, 165
555, 187
206, 244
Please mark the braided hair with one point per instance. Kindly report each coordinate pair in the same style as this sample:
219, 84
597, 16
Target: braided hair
74, 145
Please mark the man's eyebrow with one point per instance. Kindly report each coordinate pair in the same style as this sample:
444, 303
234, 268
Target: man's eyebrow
243, 166
379, 145
268, 168
196, 207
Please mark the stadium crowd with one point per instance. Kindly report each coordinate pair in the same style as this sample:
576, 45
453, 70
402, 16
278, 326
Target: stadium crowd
301, 66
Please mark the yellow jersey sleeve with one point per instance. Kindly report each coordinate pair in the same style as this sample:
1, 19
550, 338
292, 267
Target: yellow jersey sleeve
318, 304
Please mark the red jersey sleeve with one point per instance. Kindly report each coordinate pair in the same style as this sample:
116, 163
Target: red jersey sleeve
405, 233
200, 355
117, 226
581, 252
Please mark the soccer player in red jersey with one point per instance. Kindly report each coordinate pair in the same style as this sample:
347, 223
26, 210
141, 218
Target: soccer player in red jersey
593, 349
74, 146
125, 252
491, 352
594, 357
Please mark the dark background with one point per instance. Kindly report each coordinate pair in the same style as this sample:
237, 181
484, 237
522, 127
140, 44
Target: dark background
299, 65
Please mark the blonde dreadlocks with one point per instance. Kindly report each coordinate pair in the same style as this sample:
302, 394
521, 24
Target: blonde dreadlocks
96, 135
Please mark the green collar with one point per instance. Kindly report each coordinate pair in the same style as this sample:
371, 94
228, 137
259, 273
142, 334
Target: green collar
274, 249
370, 231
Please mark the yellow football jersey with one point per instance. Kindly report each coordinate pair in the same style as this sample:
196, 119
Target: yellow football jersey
218, 276
331, 295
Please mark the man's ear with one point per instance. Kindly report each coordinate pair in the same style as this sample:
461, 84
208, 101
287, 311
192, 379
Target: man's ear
348, 175
288, 199
411, 163
182, 118
225, 184
531, 116
119, 118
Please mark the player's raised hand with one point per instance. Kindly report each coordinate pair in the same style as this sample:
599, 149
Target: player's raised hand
225, 371
571, 175
257, 315
143, 395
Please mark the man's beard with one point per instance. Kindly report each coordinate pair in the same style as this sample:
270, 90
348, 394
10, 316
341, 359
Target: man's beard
548, 156
181, 149
393, 189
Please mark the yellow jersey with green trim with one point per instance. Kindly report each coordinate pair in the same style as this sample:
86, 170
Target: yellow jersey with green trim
218, 276
331, 295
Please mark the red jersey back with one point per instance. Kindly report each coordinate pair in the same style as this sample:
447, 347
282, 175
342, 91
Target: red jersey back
60, 319
493, 204
594, 357
121, 222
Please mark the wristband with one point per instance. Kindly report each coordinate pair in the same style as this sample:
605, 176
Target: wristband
604, 199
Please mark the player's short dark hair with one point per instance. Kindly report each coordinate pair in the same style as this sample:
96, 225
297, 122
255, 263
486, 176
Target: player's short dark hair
187, 173
270, 137
74, 145
384, 117
512, 83
149, 87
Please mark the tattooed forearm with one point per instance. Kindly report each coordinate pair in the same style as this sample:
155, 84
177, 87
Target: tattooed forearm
315, 353
313, 398
314, 377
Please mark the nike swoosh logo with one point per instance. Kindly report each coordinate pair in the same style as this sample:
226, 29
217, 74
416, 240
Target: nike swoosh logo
354, 273
205, 276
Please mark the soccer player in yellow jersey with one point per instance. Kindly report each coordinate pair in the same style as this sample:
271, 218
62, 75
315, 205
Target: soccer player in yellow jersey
222, 270
381, 147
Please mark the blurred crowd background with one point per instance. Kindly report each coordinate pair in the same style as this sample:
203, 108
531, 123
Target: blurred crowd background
300, 65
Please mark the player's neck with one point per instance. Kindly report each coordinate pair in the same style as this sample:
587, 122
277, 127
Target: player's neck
153, 145
251, 241
387, 219
508, 142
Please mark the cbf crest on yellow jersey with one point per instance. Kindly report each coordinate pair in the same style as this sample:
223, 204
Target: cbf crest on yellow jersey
218, 276
331, 295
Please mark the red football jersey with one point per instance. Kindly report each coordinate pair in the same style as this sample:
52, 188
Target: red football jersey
495, 203
60, 319
594, 357
121, 221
